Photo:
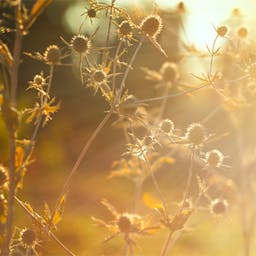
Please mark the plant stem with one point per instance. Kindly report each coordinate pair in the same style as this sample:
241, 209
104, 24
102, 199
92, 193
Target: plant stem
166, 243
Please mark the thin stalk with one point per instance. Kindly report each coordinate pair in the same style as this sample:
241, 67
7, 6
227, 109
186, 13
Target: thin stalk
114, 65
167, 243
189, 179
122, 85
11, 194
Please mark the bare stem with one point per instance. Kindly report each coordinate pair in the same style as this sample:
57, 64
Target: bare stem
166, 243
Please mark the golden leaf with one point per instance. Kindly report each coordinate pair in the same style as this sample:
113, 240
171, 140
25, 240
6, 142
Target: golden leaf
57, 217
36, 10
19, 156
152, 202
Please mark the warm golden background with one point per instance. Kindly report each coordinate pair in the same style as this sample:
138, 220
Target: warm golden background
60, 142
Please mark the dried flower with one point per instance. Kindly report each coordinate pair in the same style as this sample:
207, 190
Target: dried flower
52, 54
214, 158
195, 134
219, 206
28, 237
222, 31
125, 28
167, 125
151, 25
81, 44
39, 80
169, 71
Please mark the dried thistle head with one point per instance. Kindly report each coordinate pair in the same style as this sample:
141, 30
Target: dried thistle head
195, 134
81, 44
167, 126
125, 29
219, 206
3, 176
222, 30
124, 224
99, 76
91, 12
52, 54
39, 80
214, 158
151, 25
169, 71
28, 237
242, 32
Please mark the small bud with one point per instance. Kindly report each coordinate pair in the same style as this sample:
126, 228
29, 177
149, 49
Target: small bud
169, 71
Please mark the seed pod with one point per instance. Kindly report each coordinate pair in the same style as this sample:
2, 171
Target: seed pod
52, 54
28, 237
80, 44
196, 134
151, 25
39, 80
222, 30
124, 224
214, 158
219, 206
167, 125
125, 28
99, 76
91, 13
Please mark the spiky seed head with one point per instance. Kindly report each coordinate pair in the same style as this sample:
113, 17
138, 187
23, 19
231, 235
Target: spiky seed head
169, 71
219, 206
39, 80
151, 25
222, 30
3, 175
124, 224
91, 13
28, 237
80, 44
214, 158
125, 28
52, 54
99, 76
167, 125
242, 32
196, 134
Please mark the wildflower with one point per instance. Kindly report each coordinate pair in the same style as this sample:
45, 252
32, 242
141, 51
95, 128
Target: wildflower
214, 158
219, 206
196, 134
222, 30
52, 54
80, 44
127, 224
151, 25
28, 237
167, 126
